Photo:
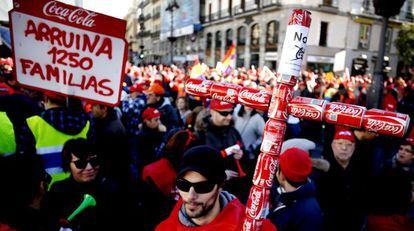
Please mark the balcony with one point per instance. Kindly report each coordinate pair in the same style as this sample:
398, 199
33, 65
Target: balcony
224, 13
143, 33
238, 9
269, 3
146, 17
146, 2
155, 34
156, 15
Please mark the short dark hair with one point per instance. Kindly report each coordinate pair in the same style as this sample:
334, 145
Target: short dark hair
242, 111
21, 176
80, 148
294, 184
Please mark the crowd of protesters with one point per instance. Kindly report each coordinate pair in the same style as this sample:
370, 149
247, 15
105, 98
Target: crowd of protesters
166, 160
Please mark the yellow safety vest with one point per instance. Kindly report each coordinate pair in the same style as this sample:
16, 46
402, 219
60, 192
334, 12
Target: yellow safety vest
49, 145
7, 137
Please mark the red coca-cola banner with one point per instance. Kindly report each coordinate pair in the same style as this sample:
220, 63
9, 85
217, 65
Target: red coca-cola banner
68, 50
385, 122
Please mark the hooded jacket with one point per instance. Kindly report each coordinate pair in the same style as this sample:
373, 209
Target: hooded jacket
230, 218
298, 210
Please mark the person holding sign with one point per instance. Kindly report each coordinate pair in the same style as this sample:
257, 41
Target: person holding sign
50, 130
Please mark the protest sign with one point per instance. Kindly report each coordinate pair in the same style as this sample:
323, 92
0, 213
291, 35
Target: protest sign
68, 50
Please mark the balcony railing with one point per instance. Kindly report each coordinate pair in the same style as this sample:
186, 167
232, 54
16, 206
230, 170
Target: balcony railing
156, 15
269, 3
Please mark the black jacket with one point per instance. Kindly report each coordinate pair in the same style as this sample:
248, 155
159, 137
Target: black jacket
111, 141
298, 210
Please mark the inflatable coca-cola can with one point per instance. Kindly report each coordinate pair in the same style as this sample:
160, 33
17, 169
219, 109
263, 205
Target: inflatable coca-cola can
254, 98
281, 95
307, 108
251, 224
385, 122
344, 114
198, 87
273, 137
257, 206
225, 92
265, 170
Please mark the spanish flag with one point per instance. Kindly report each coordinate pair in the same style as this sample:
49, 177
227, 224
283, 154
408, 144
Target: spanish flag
228, 62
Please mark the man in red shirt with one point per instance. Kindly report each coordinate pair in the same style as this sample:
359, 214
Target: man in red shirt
203, 205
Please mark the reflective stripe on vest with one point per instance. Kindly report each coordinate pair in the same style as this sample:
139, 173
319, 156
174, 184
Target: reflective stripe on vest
50, 141
7, 140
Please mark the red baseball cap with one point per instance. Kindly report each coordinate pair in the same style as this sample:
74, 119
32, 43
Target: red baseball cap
150, 113
137, 87
344, 133
295, 164
156, 89
220, 105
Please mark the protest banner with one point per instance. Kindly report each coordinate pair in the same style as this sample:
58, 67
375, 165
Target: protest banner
68, 50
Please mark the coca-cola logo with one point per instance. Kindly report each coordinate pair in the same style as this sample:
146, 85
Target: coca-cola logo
78, 16
196, 88
225, 98
344, 109
255, 197
272, 169
259, 97
305, 113
379, 125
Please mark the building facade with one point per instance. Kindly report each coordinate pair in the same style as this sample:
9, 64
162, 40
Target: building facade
346, 28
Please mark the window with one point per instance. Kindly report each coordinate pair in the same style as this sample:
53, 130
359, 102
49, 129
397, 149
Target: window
327, 2
229, 38
364, 35
241, 42
218, 46
272, 37
209, 42
324, 34
241, 36
255, 37
388, 39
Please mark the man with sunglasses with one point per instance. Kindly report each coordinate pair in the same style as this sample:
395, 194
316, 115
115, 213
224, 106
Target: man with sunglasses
203, 205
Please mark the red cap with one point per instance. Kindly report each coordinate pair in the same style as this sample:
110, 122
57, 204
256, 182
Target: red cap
137, 87
295, 164
344, 133
150, 113
156, 89
220, 105
410, 138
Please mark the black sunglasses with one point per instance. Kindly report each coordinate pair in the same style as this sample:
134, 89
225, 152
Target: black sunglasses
225, 113
81, 163
200, 187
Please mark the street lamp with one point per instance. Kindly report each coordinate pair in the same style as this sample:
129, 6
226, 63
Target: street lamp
386, 9
172, 6
141, 20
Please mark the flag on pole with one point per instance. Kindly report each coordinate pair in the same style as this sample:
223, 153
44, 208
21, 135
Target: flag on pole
228, 62
196, 70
